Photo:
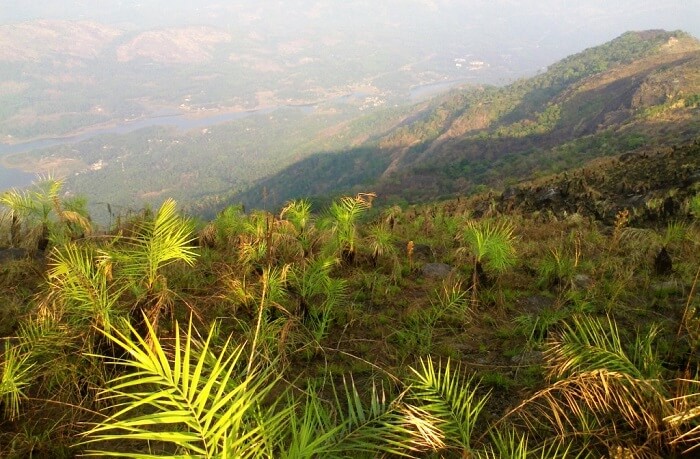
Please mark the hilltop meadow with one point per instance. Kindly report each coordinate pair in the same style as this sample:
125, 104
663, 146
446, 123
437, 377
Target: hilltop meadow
500, 325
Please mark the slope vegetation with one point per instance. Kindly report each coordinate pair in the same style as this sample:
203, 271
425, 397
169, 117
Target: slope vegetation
638, 91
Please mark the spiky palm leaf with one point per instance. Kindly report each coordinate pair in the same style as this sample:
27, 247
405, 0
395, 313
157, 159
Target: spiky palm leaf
158, 242
351, 427
191, 398
511, 445
491, 243
228, 225
341, 220
15, 375
587, 343
384, 426
445, 394
686, 420
319, 294
601, 381
298, 213
36, 205
297, 223
382, 242
695, 206
623, 407
164, 240
80, 277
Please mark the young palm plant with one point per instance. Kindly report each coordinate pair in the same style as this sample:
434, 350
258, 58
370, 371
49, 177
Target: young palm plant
492, 246
81, 286
159, 242
299, 225
342, 222
46, 218
382, 243
318, 293
15, 375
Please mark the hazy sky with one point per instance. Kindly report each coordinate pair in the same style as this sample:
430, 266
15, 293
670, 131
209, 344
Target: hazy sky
523, 35
596, 17
556, 27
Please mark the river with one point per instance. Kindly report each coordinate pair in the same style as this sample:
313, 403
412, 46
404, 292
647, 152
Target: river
184, 121
15, 178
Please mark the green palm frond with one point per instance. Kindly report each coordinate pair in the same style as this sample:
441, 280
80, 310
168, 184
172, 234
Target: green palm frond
381, 426
511, 445
341, 220
351, 427
190, 397
298, 213
320, 293
296, 224
449, 397
82, 283
15, 375
18, 202
313, 281
382, 242
676, 232
491, 243
228, 224
162, 241
695, 206
620, 391
588, 343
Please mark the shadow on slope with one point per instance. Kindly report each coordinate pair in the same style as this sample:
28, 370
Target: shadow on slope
321, 174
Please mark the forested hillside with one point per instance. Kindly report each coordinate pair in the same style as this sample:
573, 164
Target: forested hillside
637, 92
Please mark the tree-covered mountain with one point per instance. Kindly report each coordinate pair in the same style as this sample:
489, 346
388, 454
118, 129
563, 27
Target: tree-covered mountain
639, 91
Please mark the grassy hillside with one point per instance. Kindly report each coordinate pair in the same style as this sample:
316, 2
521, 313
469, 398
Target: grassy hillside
492, 326
638, 91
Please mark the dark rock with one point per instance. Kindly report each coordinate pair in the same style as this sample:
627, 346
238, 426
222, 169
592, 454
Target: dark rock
663, 265
511, 192
436, 270
547, 196
670, 207
422, 252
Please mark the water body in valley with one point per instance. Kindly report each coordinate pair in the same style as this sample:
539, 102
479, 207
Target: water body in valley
15, 178
10, 178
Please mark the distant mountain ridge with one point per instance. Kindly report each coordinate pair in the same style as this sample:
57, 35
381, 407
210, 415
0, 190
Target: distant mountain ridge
640, 90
